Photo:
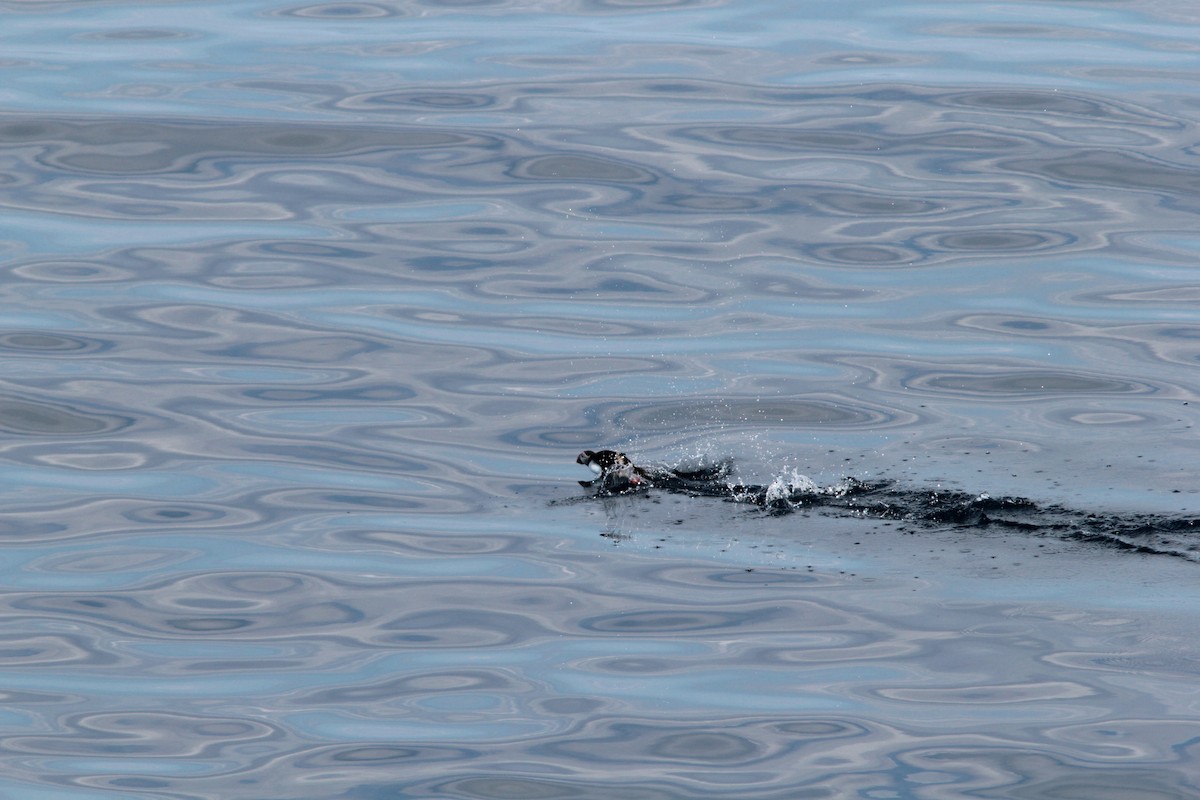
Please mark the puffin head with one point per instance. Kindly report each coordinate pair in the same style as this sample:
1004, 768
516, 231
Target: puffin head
615, 472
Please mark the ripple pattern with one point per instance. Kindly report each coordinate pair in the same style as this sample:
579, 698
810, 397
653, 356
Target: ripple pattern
307, 302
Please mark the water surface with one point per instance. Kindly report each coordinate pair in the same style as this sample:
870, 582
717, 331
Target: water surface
309, 308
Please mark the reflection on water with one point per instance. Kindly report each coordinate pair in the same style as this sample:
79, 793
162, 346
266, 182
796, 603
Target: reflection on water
308, 304
687, 678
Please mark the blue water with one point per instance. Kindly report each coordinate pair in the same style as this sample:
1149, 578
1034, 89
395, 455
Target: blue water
309, 308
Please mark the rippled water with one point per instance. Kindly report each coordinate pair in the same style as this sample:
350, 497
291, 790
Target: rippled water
308, 309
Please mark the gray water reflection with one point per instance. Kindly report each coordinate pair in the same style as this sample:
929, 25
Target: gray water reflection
307, 305
687, 678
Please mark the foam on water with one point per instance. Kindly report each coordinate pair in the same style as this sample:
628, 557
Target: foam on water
784, 486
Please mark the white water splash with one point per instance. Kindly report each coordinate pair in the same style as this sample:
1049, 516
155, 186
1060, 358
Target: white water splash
784, 487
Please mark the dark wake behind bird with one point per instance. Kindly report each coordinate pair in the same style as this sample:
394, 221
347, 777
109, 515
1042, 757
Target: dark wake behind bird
616, 474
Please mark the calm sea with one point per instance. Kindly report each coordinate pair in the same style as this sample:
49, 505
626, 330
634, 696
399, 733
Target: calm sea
308, 309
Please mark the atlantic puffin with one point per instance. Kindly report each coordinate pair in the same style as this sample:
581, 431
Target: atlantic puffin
615, 472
